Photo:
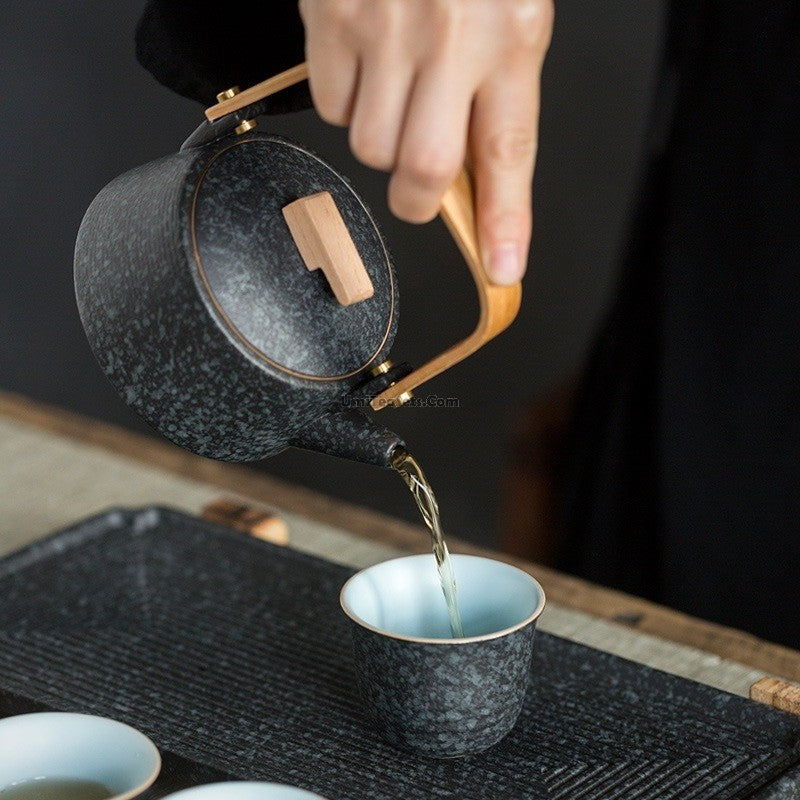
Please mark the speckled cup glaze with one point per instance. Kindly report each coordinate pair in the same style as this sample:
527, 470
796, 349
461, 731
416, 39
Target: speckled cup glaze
423, 690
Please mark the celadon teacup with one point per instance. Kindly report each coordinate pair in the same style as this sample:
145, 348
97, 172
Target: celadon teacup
424, 690
61, 746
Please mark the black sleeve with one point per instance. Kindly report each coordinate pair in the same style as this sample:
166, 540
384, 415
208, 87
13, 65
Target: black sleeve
198, 50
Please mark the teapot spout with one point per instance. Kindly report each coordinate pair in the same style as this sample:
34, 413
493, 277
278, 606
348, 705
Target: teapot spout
347, 433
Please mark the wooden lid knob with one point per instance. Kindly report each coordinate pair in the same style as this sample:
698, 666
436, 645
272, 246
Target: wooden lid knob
325, 243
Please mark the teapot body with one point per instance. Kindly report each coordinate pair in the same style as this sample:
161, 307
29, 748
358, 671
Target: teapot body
200, 311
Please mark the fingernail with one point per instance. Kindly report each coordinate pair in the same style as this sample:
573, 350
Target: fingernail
504, 264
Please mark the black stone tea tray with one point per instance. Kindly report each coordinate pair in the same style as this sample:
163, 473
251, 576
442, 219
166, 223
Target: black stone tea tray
233, 655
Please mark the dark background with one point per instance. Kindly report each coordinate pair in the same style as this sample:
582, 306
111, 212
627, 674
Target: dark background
79, 110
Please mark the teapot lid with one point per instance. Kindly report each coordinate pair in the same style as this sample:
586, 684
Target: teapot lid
282, 310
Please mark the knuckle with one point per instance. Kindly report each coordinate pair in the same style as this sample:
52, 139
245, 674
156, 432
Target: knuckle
448, 17
340, 11
445, 25
408, 206
507, 223
330, 101
331, 110
389, 15
363, 22
512, 147
371, 149
430, 168
532, 22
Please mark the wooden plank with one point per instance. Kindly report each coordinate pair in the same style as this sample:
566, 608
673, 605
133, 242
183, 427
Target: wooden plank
780, 694
257, 522
564, 590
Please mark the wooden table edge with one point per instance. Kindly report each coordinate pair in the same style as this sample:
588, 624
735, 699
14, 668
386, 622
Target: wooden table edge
564, 590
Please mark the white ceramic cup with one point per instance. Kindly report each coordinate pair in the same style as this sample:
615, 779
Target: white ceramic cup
244, 790
54, 745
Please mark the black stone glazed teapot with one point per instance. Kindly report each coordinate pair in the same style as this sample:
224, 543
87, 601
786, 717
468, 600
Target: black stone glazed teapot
237, 292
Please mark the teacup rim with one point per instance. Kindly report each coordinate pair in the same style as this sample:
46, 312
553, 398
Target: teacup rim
484, 637
208, 788
131, 793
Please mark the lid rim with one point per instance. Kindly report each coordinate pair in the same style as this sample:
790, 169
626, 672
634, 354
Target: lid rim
227, 323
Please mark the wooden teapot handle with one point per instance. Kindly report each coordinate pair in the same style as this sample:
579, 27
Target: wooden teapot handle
498, 304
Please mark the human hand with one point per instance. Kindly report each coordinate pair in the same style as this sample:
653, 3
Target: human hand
421, 83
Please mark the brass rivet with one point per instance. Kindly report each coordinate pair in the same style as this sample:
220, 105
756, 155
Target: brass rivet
227, 94
402, 399
245, 125
382, 368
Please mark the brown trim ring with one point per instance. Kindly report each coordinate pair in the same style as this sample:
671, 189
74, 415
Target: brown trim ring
218, 306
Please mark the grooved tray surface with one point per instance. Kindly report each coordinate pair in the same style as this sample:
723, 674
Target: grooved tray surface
234, 656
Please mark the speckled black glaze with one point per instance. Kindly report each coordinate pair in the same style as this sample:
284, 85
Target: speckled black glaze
254, 270
202, 314
355, 440
443, 700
